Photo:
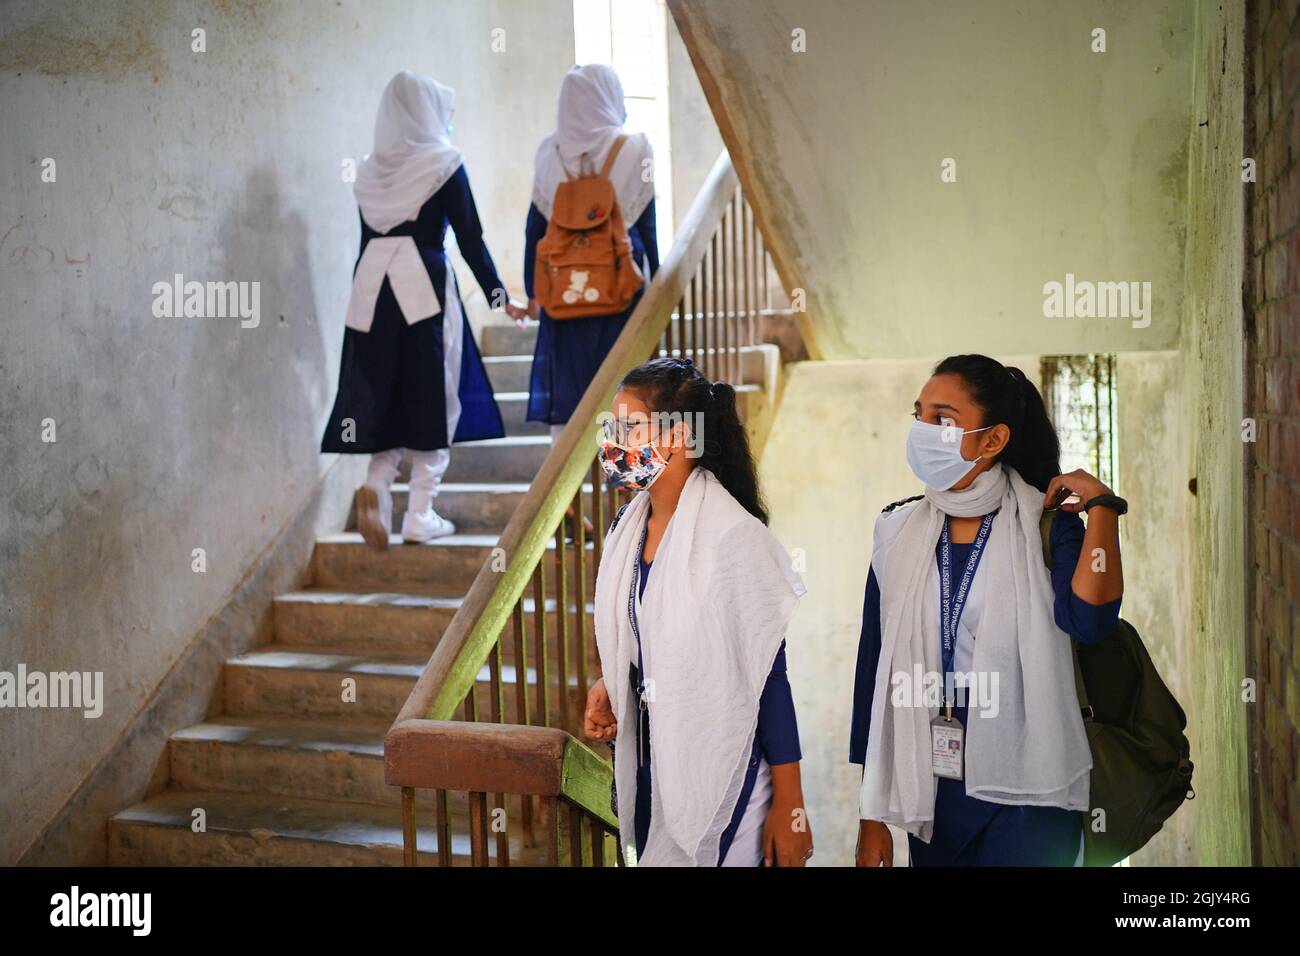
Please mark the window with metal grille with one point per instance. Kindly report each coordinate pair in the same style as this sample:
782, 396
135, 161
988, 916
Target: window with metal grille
1079, 391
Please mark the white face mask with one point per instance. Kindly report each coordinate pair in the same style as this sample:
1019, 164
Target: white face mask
934, 454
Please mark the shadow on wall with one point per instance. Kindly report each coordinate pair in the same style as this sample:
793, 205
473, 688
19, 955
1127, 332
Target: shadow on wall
252, 405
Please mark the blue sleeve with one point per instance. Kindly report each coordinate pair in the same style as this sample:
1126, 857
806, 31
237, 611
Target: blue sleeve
778, 731
534, 230
1084, 622
649, 233
463, 216
864, 681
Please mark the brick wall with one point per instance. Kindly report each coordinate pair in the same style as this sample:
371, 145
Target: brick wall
1272, 323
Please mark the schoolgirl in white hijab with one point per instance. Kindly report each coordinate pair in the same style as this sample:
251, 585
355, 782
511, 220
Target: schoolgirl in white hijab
692, 652
589, 118
411, 379
965, 712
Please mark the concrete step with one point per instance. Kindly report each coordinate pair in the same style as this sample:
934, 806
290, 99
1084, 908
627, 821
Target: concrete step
507, 339
474, 507
290, 681
515, 458
308, 682
398, 623
285, 756
444, 566
269, 830
508, 373
514, 406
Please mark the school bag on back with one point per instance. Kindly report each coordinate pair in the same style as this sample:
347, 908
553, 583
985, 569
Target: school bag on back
584, 262
1141, 760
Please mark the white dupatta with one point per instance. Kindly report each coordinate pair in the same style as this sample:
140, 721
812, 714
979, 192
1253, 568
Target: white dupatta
713, 617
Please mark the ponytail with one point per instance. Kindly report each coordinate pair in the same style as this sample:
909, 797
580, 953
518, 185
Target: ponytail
1008, 398
678, 387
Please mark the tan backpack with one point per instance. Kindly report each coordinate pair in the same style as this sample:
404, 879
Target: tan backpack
584, 262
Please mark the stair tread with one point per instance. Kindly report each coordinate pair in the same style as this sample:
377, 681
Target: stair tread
507, 441
353, 538
415, 602
357, 735
395, 540
326, 596
334, 659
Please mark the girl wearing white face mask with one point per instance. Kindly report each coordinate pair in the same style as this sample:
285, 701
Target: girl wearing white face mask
965, 716
693, 596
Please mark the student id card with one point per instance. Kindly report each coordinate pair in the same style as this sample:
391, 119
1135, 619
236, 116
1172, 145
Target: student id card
947, 740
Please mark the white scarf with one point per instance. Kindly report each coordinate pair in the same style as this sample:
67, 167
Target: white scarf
413, 157
588, 120
1034, 751
712, 620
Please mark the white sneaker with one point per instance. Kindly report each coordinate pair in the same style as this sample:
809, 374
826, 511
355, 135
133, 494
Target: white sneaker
419, 528
374, 514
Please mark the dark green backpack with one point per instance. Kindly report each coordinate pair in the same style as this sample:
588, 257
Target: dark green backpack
1141, 760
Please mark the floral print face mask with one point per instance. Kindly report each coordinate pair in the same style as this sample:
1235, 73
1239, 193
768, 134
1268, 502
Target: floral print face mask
634, 469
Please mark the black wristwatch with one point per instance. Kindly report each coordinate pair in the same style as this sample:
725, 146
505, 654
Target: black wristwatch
1114, 502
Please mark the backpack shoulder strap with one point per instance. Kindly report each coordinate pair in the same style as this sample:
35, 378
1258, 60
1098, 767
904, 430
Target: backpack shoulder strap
613, 155
1045, 531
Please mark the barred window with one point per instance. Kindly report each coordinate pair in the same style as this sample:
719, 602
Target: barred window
1079, 391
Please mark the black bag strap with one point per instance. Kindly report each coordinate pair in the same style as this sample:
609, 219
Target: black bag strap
1045, 530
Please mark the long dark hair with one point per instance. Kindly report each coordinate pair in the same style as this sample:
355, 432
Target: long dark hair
675, 386
1008, 398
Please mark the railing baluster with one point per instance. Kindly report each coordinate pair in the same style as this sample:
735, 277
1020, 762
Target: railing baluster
478, 851
499, 802
715, 298
408, 827
733, 295
580, 601
539, 644
562, 620
444, 827
575, 835
597, 841
749, 273
550, 827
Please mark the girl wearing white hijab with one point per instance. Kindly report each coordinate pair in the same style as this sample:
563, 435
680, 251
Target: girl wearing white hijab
693, 654
965, 715
589, 119
411, 377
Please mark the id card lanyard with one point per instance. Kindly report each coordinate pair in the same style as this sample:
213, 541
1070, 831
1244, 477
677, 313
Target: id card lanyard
633, 605
947, 733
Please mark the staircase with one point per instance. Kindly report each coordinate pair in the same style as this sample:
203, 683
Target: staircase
292, 771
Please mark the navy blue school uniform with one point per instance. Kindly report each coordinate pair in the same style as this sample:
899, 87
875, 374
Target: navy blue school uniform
969, 831
392, 378
776, 740
569, 352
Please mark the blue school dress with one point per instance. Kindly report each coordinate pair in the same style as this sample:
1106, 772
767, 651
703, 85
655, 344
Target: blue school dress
776, 740
569, 352
969, 831
398, 385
